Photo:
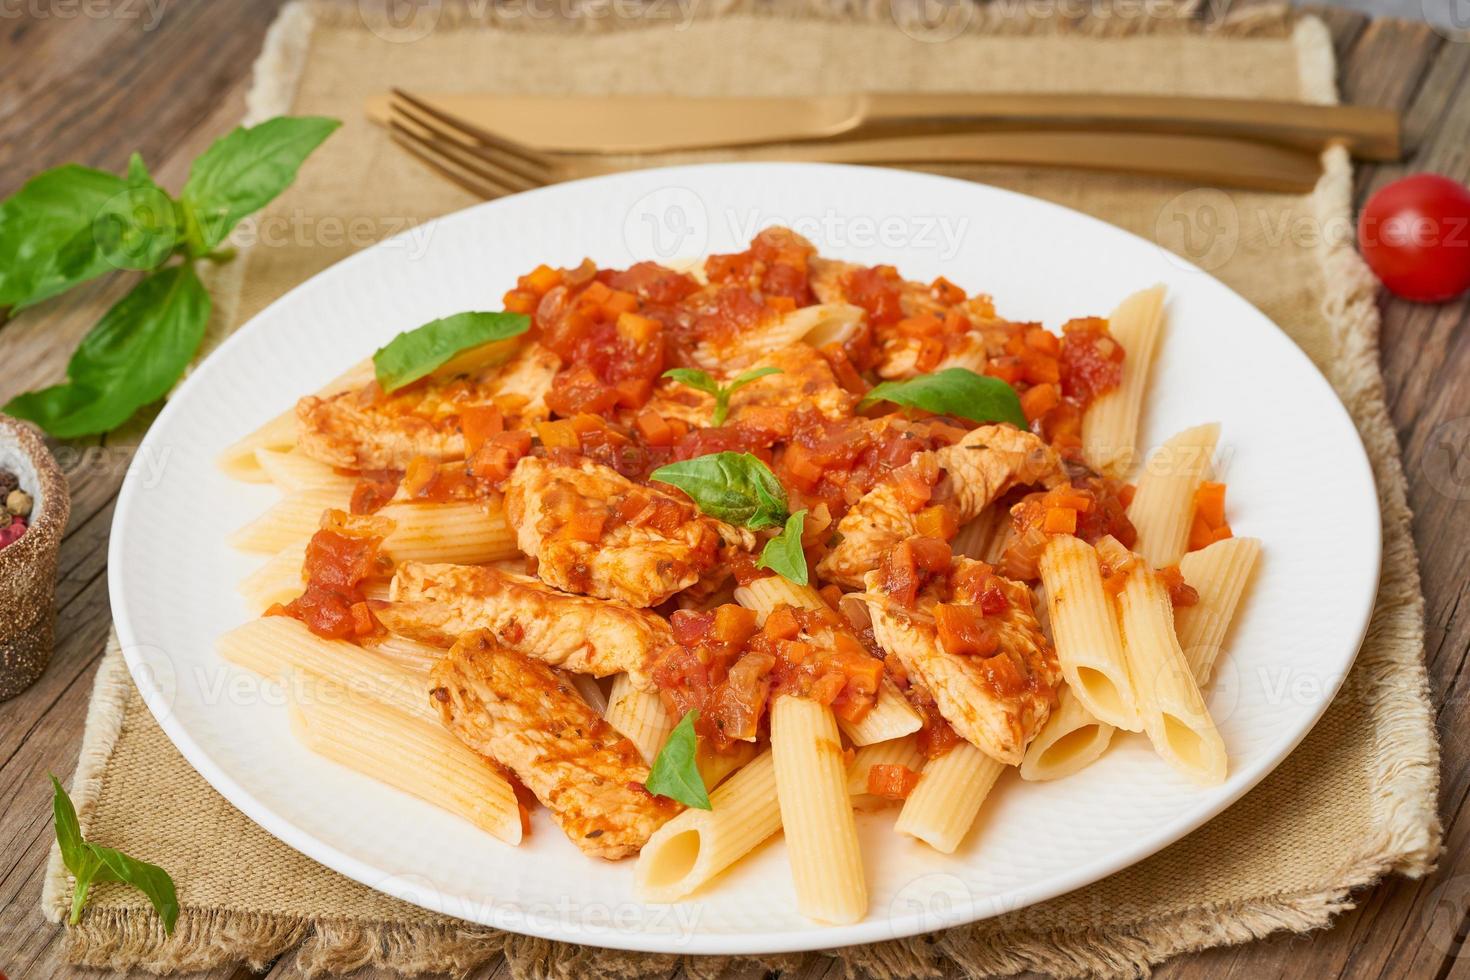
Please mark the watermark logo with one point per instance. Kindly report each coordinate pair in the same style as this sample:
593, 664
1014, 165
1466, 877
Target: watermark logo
932, 21
666, 224
1202, 225
1447, 458
400, 21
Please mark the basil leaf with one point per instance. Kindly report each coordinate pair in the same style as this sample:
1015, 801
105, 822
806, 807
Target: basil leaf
722, 397
244, 171
783, 555
674, 773
954, 391
90, 863
46, 239
412, 355
734, 487
694, 378
138, 228
130, 358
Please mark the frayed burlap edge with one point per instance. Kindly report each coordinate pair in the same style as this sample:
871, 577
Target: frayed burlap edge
1391, 665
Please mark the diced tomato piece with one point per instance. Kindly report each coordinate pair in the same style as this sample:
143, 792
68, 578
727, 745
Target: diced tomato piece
931, 555
1181, 593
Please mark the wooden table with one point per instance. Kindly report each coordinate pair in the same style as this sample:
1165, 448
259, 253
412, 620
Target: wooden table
91, 89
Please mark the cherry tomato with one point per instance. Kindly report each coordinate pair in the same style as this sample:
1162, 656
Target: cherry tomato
1415, 236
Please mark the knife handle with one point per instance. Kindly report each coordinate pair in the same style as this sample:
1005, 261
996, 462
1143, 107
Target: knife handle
1368, 132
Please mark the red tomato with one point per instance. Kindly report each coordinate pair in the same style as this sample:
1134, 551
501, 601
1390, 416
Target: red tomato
1415, 236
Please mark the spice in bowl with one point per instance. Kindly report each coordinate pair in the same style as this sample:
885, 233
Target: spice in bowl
17, 508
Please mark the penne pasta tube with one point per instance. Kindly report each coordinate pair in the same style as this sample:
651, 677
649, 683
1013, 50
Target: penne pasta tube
275, 647
239, 459
765, 594
1084, 628
590, 690
1072, 739
1163, 506
1169, 701
975, 537
459, 533
890, 717
410, 754
411, 654
279, 580
1219, 574
639, 715
1110, 424
943, 806
290, 521
697, 845
894, 752
821, 833
292, 470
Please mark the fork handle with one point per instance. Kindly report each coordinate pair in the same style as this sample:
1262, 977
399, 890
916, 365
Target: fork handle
1368, 132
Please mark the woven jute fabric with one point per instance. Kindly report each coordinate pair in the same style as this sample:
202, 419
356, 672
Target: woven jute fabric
1354, 802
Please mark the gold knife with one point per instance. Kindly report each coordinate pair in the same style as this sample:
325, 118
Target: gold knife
662, 123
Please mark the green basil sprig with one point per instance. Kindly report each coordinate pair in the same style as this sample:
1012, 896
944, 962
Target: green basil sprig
954, 391
72, 224
783, 554
675, 773
417, 353
739, 489
702, 381
91, 863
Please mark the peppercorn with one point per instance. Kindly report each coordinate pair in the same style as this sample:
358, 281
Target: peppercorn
8, 482
5, 519
18, 502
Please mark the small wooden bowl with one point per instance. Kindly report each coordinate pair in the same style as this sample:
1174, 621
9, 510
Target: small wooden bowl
28, 564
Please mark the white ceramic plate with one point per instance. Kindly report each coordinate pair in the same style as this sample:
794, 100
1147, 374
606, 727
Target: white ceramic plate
1298, 479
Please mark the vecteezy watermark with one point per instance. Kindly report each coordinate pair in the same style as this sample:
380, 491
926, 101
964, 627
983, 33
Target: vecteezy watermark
1447, 458
149, 11
83, 464
302, 229
400, 21
678, 921
1202, 225
942, 234
1449, 18
667, 224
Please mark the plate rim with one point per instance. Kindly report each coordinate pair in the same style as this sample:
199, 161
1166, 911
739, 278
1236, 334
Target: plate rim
873, 928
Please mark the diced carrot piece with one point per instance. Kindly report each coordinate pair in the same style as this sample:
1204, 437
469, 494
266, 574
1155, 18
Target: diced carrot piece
637, 329
931, 352
1039, 338
734, 624
782, 624
1059, 520
831, 594
596, 293
946, 292
584, 525
938, 521
585, 422
559, 434
520, 301
1038, 400
633, 392
1039, 368
653, 429
620, 304
963, 631
1209, 502
479, 423
891, 781
795, 651
781, 304
1007, 369
1221, 533
541, 279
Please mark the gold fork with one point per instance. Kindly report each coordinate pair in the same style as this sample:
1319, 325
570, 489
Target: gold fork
490, 165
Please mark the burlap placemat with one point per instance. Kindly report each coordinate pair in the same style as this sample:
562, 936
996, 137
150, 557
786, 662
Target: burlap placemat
1355, 802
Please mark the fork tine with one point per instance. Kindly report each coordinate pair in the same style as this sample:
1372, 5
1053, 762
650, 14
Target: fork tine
449, 152
475, 185
533, 174
520, 151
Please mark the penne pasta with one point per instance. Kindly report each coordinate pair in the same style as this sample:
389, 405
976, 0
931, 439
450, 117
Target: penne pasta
590, 690
697, 845
290, 521
1084, 629
458, 533
765, 594
239, 460
1169, 701
1072, 739
1110, 424
639, 715
821, 834
825, 323
894, 752
411, 654
1163, 506
410, 754
292, 470
890, 717
1219, 574
975, 537
279, 580
275, 647
943, 806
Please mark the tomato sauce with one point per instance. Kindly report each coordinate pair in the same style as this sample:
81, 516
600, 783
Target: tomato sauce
340, 557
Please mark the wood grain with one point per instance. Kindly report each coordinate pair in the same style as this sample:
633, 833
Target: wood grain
92, 89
